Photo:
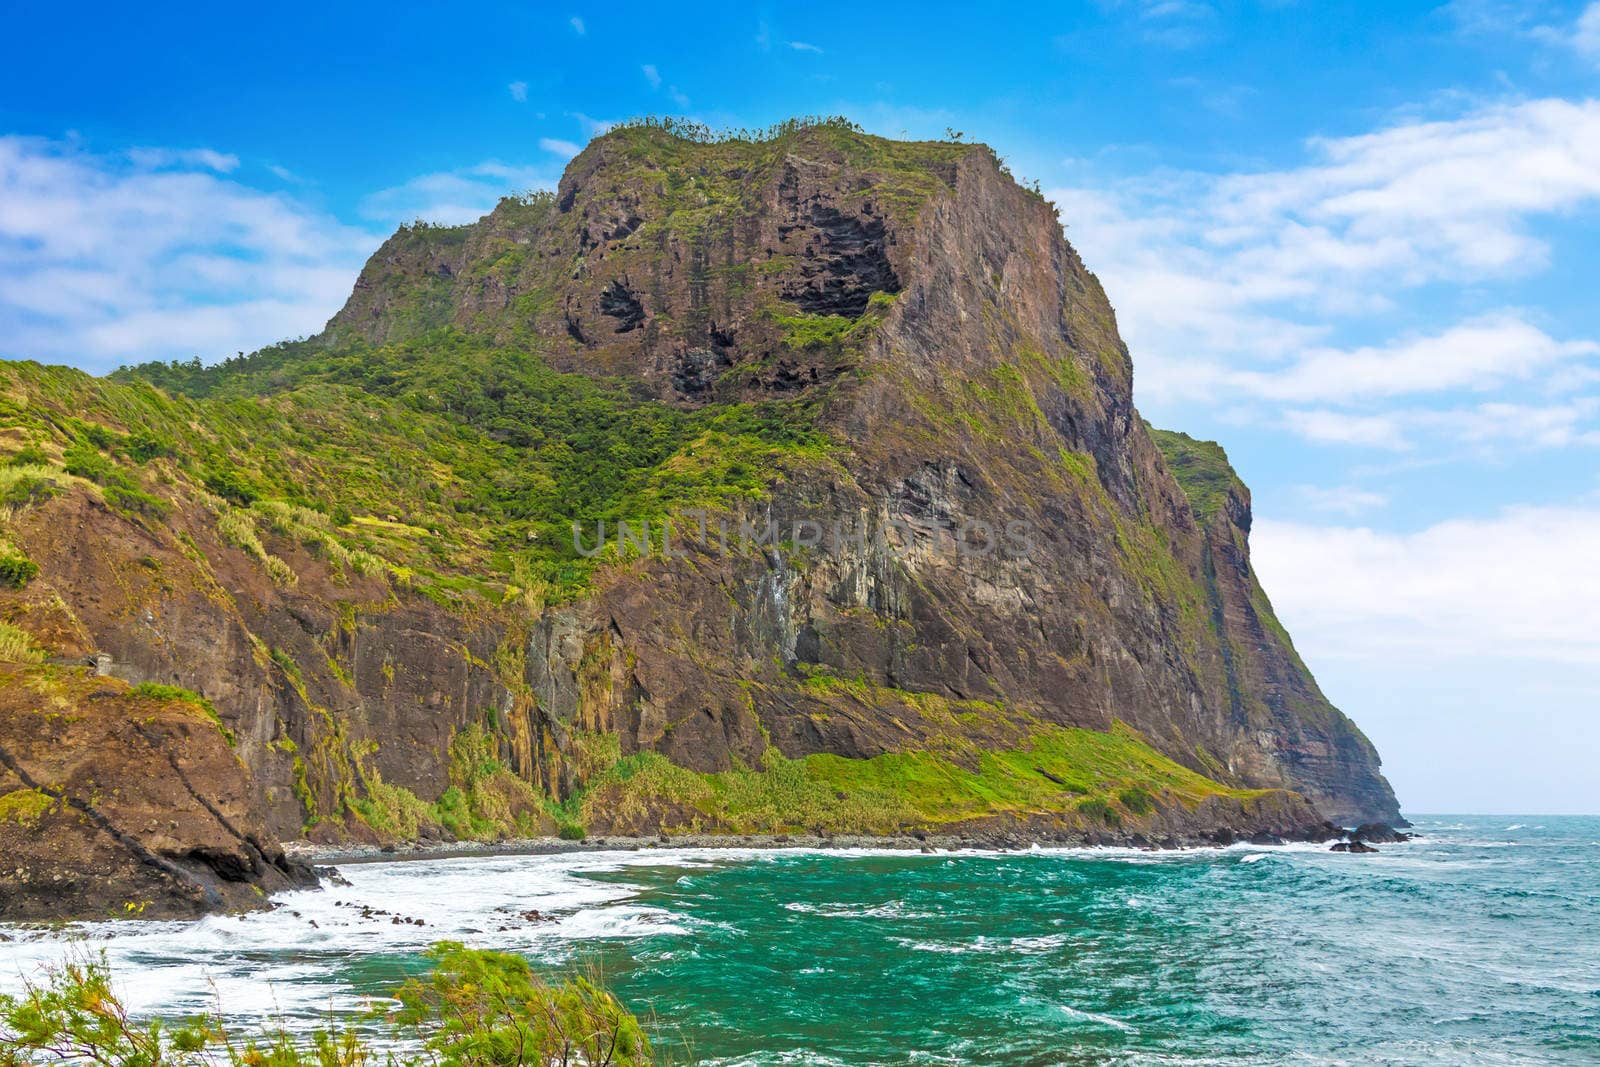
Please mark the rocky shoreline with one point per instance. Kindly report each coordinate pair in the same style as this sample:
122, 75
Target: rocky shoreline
326, 857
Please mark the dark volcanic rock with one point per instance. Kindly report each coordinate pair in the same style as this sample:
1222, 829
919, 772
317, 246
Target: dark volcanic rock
1378, 832
115, 805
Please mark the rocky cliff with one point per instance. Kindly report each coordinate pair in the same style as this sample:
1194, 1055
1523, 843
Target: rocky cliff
899, 550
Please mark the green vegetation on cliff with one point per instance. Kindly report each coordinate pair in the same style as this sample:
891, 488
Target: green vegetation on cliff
1201, 469
1088, 779
439, 456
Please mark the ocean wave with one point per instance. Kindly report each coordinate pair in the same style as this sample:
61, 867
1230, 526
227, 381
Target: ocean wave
1095, 1017
893, 909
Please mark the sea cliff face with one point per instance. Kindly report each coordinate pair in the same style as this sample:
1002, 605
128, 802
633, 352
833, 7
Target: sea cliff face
924, 566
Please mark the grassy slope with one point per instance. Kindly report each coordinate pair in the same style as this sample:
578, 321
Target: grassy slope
1087, 778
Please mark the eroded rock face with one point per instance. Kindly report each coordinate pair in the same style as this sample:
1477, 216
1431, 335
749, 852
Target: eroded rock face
967, 367
994, 391
116, 805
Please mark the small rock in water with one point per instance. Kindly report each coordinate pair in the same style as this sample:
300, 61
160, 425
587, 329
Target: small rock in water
331, 875
1380, 832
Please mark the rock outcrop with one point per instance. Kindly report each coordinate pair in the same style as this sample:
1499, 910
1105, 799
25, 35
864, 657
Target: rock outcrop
884, 411
119, 803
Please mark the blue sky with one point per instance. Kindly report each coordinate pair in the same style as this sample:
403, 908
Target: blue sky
1355, 242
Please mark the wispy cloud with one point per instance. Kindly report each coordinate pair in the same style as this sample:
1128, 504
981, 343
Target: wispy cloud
1344, 428
1176, 24
803, 46
155, 254
1586, 34
577, 25
555, 146
1342, 499
184, 159
518, 91
1490, 430
653, 76
591, 127
456, 196
1233, 288
1475, 355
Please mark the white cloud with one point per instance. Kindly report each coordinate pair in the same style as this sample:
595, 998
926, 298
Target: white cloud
155, 254
1343, 499
577, 25
1256, 267
1176, 23
1522, 584
1477, 355
1484, 431
1581, 35
803, 46
1258, 259
1586, 34
652, 75
1343, 428
1238, 289
1572, 423
555, 146
453, 197
183, 159
518, 91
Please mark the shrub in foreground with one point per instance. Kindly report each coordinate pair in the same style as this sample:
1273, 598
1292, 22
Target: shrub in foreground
475, 1009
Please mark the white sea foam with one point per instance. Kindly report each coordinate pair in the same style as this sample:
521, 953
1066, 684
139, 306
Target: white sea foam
893, 909
1094, 1017
287, 960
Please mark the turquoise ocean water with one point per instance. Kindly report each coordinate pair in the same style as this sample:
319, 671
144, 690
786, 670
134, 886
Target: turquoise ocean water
1479, 943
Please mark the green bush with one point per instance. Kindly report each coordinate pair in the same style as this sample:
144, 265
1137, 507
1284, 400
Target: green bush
94, 434
143, 446
1137, 799
136, 502
17, 570
21, 486
81, 459
491, 1008
1100, 810
476, 1009
572, 832
231, 486
28, 456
